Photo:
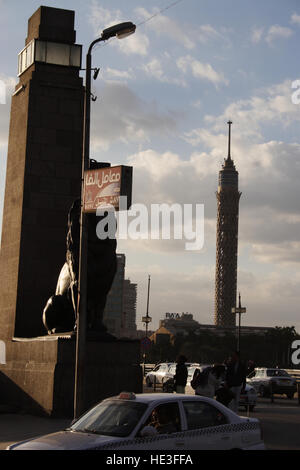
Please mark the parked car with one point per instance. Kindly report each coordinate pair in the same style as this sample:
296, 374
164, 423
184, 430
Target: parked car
164, 373
126, 422
158, 374
267, 380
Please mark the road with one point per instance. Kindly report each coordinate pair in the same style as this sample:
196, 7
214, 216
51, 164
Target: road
280, 422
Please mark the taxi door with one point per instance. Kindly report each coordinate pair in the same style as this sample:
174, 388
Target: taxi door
206, 427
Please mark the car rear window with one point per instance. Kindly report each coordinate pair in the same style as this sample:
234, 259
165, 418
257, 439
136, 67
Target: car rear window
111, 418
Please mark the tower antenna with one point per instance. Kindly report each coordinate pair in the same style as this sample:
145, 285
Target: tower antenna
229, 139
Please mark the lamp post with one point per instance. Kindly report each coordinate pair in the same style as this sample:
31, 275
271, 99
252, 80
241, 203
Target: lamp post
120, 31
239, 310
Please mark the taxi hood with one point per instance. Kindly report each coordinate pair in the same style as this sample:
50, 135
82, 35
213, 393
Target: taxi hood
64, 440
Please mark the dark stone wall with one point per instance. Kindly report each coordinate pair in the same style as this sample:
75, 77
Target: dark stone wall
39, 375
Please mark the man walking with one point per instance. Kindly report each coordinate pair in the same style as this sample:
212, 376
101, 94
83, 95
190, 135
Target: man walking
235, 379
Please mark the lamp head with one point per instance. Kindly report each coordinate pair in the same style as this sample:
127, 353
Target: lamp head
120, 30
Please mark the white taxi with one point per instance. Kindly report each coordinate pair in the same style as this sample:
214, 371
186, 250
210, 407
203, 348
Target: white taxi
154, 422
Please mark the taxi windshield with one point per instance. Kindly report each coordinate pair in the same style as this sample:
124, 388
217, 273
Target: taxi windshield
111, 418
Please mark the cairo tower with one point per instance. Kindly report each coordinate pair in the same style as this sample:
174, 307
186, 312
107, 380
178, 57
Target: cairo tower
228, 197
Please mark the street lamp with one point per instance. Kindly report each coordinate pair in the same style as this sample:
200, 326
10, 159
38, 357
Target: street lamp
239, 310
120, 31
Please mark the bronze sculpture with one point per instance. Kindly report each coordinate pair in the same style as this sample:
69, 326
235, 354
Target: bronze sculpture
59, 314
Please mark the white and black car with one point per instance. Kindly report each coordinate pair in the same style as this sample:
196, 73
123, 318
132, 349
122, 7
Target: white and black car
125, 422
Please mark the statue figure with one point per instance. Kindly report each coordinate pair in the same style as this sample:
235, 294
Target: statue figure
59, 314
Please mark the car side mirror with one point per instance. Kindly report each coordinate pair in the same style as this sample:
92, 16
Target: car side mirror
148, 431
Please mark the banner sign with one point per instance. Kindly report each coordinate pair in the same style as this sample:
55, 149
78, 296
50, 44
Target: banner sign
103, 188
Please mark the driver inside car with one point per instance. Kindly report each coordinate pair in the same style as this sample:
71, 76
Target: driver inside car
162, 421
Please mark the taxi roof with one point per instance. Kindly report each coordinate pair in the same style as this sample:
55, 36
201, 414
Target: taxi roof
153, 397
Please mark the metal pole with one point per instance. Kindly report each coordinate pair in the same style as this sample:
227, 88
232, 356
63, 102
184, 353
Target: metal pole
147, 312
239, 330
79, 397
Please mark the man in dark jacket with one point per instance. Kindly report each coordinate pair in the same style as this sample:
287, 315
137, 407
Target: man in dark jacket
235, 379
181, 375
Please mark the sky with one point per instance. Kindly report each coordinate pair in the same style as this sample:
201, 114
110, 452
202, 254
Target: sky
165, 95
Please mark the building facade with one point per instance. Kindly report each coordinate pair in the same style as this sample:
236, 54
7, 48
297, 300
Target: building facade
120, 310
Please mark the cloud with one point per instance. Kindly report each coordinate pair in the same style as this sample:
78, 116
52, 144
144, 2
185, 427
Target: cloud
295, 19
162, 25
270, 105
7, 85
200, 70
278, 32
154, 69
124, 117
115, 74
256, 35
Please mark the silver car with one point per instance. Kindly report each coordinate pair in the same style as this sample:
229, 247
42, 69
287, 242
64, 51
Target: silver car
277, 381
159, 373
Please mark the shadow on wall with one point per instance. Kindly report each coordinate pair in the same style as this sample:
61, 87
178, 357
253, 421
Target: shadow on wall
15, 400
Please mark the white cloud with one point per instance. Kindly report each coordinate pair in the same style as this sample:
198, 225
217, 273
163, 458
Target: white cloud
270, 105
200, 70
256, 35
162, 25
154, 69
277, 32
8, 86
110, 73
295, 19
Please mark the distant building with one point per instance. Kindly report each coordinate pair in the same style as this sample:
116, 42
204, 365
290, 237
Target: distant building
178, 323
120, 310
182, 324
112, 317
129, 309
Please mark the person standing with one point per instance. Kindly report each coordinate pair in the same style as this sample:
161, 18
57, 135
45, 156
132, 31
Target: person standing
181, 375
209, 380
235, 379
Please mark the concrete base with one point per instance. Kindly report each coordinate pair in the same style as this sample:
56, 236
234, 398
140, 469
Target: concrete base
38, 376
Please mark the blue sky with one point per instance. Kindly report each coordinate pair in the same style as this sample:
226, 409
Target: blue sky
164, 97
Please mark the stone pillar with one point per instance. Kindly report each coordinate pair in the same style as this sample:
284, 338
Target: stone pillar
43, 178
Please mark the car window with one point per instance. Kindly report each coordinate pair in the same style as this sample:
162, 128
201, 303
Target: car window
202, 415
259, 373
165, 418
111, 418
172, 369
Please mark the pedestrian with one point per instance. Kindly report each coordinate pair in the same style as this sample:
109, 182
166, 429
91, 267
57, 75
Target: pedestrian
208, 380
181, 375
235, 379
250, 367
